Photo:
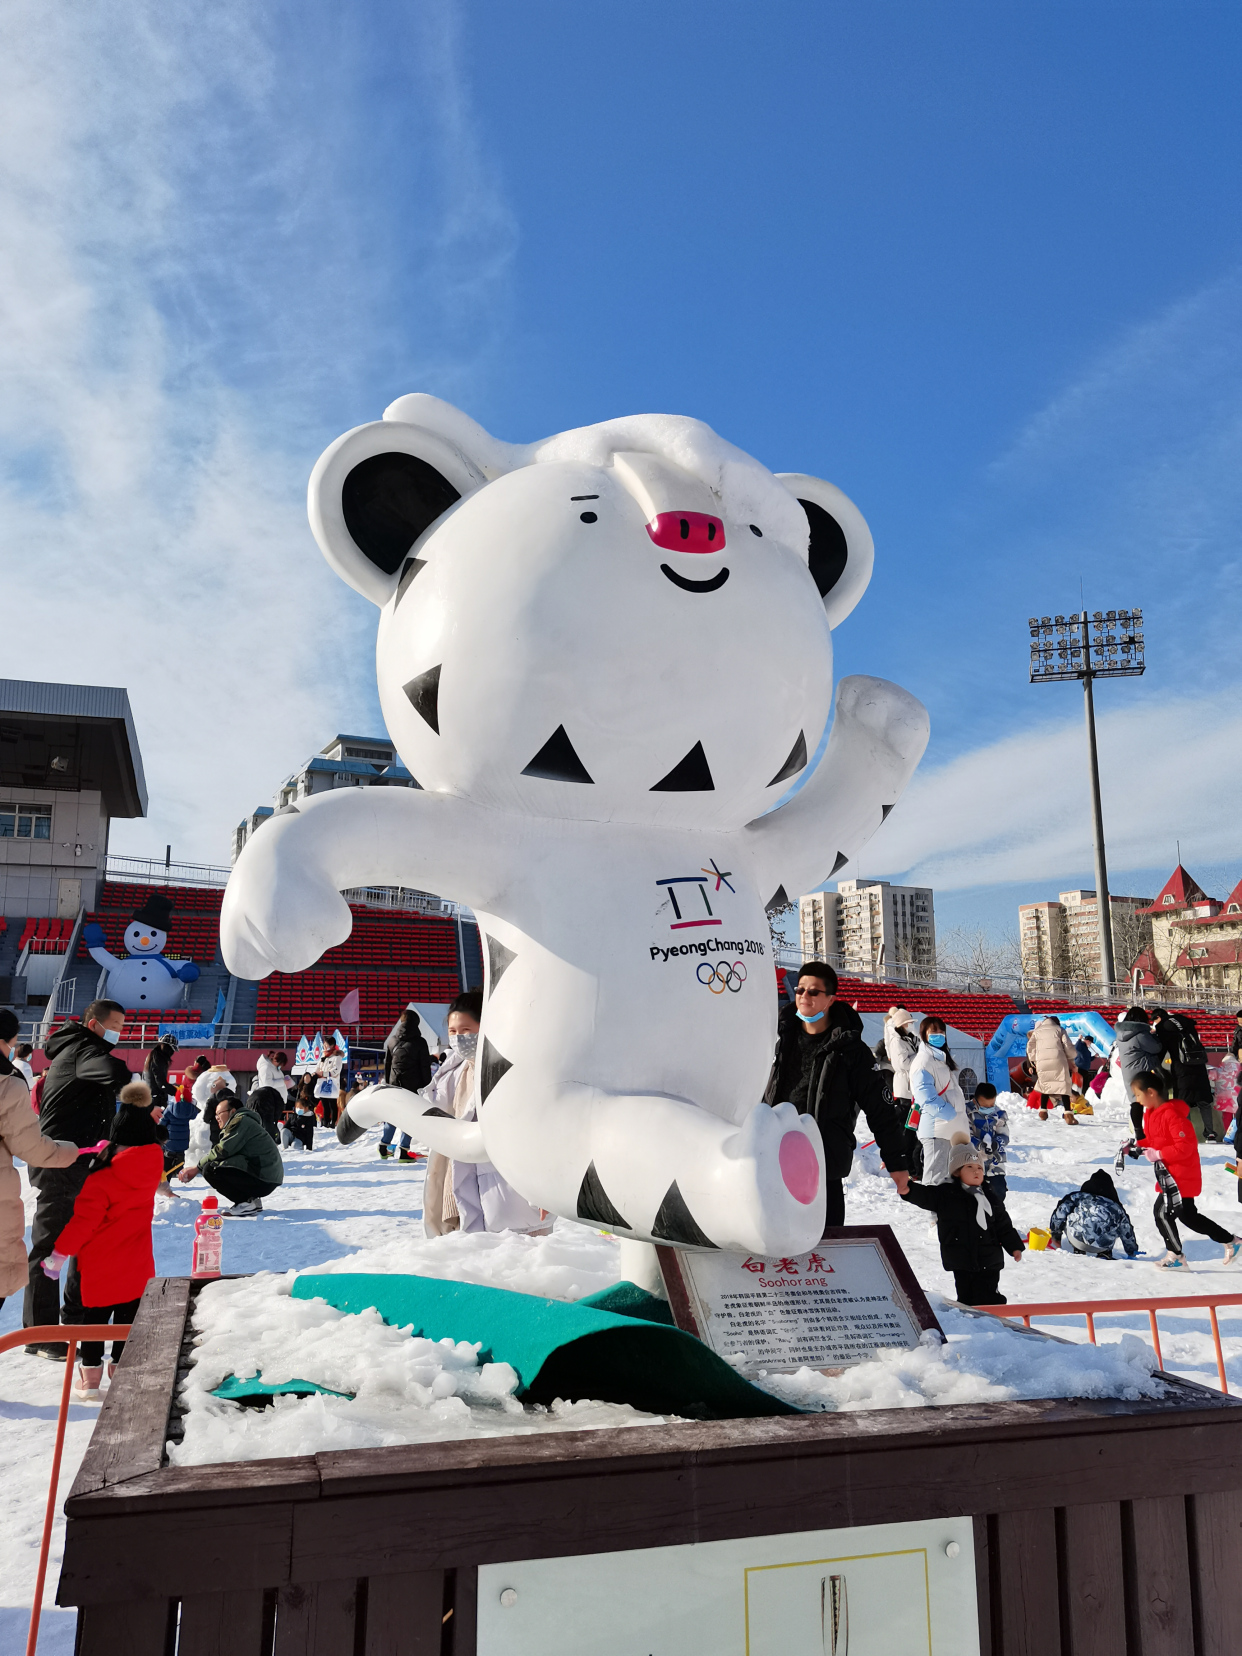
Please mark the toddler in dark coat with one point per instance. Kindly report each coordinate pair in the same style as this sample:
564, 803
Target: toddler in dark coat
974, 1229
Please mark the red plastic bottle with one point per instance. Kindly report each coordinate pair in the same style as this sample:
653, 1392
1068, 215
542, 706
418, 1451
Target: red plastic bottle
208, 1240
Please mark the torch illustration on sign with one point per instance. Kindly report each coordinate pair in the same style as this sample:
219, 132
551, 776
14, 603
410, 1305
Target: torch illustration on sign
834, 1615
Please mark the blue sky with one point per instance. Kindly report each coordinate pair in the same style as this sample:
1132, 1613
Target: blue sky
981, 266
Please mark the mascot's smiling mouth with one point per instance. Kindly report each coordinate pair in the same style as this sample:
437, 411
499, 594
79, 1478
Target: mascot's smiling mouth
712, 585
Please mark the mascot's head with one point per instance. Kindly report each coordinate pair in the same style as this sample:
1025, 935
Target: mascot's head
628, 622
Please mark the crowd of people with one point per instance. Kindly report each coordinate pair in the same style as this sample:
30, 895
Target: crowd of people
99, 1144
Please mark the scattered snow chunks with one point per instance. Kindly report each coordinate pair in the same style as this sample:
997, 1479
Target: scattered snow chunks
399, 1388
982, 1361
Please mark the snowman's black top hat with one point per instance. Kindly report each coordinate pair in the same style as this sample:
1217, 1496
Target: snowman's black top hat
156, 911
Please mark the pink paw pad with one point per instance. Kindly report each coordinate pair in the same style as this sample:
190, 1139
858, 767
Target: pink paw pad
799, 1167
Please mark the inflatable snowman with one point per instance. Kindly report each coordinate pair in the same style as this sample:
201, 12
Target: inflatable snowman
606, 657
145, 979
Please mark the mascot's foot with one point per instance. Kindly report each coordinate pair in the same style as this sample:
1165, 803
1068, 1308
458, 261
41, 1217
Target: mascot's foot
661, 1169
758, 1188
461, 1140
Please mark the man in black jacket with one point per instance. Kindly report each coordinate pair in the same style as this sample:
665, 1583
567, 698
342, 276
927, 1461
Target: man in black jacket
824, 1067
79, 1101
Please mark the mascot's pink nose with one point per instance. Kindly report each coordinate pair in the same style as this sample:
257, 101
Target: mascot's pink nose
687, 532
799, 1167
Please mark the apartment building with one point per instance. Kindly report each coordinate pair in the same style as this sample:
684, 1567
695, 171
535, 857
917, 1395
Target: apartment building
1061, 940
346, 762
870, 926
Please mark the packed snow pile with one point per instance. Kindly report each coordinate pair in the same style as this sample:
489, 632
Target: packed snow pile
394, 1388
397, 1388
981, 1361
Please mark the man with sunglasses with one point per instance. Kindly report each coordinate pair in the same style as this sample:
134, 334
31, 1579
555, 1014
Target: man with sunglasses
824, 1067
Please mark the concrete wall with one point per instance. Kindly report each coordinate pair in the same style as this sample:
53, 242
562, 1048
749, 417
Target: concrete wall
48, 877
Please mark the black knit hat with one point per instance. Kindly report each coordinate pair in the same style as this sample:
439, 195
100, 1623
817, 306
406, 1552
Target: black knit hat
156, 911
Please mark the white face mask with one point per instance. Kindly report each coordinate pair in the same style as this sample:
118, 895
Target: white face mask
466, 1043
112, 1036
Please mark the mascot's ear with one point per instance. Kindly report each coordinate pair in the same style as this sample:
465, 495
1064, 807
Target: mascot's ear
841, 549
375, 491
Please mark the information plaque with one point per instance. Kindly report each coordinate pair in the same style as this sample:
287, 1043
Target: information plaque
904, 1589
828, 1309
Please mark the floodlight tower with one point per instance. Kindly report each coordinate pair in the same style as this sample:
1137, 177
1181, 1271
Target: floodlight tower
1078, 646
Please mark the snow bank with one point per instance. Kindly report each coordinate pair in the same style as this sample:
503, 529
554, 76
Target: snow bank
982, 1361
403, 1389
409, 1390
570, 1264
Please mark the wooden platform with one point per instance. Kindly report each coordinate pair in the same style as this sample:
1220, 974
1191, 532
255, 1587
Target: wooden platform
1101, 1528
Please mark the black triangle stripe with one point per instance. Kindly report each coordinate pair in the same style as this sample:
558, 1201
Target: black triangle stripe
840, 863
885, 809
492, 1068
557, 760
409, 574
795, 762
424, 696
499, 959
778, 900
593, 1202
688, 775
675, 1223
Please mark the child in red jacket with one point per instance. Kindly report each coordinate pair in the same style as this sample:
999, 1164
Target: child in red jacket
110, 1231
1168, 1134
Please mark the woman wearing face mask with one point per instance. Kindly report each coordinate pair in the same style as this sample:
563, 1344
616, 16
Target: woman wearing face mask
451, 1090
938, 1098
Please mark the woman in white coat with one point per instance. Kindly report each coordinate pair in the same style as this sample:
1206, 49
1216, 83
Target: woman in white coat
941, 1106
901, 1044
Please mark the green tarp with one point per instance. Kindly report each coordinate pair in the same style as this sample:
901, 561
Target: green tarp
609, 1346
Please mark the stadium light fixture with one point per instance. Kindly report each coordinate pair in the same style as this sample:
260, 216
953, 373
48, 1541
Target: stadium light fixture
1104, 644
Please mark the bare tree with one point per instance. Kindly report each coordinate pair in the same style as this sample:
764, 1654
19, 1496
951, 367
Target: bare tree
978, 957
778, 917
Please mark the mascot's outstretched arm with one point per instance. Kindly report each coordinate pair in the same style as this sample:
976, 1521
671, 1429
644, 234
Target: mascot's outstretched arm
283, 907
879, 732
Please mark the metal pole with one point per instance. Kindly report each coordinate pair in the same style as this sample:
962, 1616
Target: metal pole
1102, 905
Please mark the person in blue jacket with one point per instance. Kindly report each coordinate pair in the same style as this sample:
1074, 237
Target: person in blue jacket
179, 1112
1091, 1219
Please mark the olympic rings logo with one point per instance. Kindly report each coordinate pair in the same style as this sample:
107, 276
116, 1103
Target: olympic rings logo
722, 977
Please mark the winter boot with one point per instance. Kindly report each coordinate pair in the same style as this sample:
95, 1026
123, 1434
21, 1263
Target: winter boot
384, 1152
407, 1155
1043, 1115
1232, 1250
1172, 1262
86, 1387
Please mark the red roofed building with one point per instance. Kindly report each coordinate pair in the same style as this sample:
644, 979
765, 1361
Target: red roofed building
1196, 939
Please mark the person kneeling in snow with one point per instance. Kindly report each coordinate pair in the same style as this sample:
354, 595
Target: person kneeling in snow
243, 1165
1169, 1141
1092, 1218
974, 1229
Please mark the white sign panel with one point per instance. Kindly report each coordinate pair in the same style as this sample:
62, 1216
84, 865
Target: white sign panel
826, 1309
876, 1590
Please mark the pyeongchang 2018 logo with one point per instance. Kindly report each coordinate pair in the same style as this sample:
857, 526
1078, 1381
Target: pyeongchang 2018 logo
692, 904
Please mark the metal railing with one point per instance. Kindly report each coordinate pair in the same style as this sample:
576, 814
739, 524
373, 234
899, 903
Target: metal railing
1090, 1309
962, 980
54, 1334
152, 871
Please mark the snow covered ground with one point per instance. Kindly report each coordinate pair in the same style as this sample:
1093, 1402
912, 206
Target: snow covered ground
344, 1209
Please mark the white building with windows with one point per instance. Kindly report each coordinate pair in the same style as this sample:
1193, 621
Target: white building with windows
69, 764
346, 762
870, 926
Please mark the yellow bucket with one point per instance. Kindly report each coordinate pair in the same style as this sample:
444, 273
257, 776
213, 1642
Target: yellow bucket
1037, 1240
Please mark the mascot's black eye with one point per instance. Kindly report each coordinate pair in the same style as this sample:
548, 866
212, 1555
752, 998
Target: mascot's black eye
589, 517
756, 530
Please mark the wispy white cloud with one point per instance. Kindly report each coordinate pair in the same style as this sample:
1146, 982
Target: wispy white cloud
1018, 809
212, 260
